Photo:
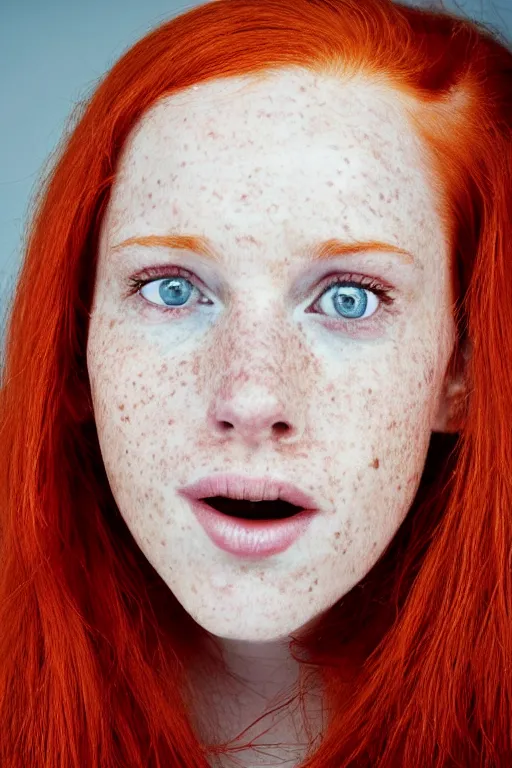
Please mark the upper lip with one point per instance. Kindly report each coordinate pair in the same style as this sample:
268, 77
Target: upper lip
248, 488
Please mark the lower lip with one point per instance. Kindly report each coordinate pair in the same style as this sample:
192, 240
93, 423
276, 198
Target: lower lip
251, 538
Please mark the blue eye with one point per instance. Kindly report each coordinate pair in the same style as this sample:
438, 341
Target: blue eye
350, 301
174, 290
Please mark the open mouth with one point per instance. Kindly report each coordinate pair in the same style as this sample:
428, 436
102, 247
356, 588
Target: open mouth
253, 510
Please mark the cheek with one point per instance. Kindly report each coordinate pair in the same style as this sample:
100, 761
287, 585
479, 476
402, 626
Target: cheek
372, 425
375, 436
146, 414
363, 454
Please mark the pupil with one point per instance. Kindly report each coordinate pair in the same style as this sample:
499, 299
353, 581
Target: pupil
355, 306
173, 288
351, 305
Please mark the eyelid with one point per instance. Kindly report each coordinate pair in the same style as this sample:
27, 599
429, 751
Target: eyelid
151, 274
148, 274
383, 315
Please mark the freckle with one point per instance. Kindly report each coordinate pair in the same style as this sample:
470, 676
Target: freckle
370, 391
158, 181
315, 581
112, 323
162, 543
337, 535
375, 463
310, 589
121, 407
399, 487
150, 195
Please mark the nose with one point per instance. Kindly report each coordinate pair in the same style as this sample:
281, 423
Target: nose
255, 417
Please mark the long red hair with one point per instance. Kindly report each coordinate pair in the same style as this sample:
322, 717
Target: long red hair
417, 658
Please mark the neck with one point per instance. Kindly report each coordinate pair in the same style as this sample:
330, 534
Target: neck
259, 680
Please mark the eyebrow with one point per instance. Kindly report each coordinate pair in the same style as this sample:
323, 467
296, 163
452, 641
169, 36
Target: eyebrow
326, 249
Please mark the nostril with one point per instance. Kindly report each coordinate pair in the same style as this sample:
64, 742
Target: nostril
280, 427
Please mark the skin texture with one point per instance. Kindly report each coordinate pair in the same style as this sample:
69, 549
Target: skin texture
265, 168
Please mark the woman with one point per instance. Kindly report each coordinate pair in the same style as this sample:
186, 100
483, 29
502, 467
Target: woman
269, 268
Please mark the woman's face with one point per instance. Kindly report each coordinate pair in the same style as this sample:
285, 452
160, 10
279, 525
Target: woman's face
267, 169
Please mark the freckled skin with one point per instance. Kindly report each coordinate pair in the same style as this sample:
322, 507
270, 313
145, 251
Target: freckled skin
261, 168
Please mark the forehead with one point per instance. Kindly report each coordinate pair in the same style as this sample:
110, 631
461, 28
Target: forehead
220, 153
244, 117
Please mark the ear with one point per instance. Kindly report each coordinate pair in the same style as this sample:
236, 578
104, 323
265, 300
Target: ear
452, 405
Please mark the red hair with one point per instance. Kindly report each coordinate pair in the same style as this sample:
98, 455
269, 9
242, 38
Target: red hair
416, 658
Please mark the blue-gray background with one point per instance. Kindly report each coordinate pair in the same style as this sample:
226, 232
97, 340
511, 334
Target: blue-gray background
52, 53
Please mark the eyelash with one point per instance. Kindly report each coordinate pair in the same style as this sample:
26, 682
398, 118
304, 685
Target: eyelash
152, 274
